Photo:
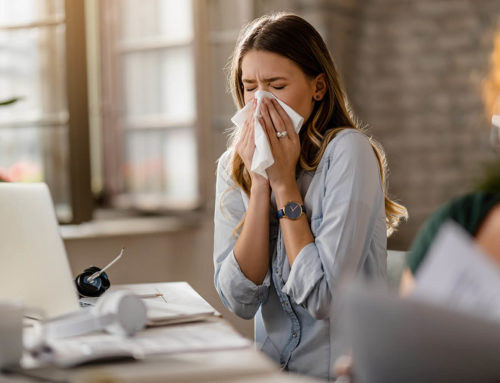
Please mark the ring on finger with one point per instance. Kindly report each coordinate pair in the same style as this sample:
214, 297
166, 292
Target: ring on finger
282, 134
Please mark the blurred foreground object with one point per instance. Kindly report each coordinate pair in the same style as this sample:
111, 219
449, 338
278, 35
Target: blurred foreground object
406, 340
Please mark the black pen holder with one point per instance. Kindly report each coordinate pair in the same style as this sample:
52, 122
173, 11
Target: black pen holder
95, 288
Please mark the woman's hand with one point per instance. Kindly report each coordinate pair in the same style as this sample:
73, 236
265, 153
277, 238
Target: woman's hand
343, 369
245, 147
285, 149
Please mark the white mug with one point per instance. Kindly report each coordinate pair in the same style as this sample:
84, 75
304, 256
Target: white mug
11, 332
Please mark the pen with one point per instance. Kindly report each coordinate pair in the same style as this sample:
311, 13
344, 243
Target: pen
149, 295
97, 273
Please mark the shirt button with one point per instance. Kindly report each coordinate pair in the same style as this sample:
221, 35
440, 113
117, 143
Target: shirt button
294, 335
286, 304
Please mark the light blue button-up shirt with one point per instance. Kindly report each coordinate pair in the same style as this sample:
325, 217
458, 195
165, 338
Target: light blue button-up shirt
292, 307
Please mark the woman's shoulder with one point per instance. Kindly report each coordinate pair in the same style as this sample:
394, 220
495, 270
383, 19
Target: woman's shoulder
349, 141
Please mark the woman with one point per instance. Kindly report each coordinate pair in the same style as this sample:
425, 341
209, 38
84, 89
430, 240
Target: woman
281, 242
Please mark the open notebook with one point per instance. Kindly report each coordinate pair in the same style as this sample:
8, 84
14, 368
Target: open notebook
170, 303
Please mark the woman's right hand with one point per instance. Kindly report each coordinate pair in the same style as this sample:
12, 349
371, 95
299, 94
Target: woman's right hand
245, 147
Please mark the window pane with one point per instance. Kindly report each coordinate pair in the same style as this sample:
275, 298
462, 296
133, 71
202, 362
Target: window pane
159, 83
143, 162
180, 164
170, 19
161, 163
25, 11
33, 154
32, 67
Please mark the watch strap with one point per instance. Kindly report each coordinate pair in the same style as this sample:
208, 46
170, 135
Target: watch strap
280, 213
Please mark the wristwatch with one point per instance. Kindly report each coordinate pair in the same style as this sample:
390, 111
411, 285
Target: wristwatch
292, 210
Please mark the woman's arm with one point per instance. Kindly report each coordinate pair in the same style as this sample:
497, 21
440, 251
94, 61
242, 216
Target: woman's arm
252, 247
238, 293
407, 283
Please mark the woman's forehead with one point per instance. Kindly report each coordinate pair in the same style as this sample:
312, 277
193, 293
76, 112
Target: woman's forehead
267, 65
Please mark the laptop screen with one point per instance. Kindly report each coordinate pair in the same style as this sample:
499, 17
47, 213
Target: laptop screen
33, 263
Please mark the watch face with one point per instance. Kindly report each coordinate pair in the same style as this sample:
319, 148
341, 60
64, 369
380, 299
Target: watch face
293, 210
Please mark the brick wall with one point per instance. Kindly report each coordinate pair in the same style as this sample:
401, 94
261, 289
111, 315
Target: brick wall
413, 71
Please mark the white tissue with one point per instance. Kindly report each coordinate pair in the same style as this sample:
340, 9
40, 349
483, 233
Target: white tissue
263, 157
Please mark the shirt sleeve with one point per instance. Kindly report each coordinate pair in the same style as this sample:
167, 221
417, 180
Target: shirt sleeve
352, 198
238, 293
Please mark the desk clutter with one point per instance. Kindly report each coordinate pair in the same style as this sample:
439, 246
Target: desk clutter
122, 313
185, 339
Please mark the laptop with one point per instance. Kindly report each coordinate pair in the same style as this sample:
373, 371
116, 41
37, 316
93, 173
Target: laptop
33, 261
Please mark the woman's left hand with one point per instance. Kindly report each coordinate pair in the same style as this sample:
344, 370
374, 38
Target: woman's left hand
285, 149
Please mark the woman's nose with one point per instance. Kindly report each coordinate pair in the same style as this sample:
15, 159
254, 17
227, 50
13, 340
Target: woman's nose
263, 87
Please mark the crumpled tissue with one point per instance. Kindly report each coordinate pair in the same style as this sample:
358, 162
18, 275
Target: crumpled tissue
263, 157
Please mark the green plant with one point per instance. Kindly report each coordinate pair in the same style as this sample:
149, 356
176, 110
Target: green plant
9, 101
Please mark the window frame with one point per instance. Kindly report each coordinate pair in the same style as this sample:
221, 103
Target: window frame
78, 110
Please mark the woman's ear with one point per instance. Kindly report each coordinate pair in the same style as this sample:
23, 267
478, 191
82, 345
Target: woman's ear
320, 87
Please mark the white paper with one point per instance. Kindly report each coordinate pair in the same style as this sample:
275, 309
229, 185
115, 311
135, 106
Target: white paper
178, 303
202, 336
263, 157
457, 274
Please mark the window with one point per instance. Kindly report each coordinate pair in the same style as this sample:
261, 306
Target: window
34, 131
146, 117
150, 124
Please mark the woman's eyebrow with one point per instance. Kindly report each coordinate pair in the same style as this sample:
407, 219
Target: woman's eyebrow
269, 79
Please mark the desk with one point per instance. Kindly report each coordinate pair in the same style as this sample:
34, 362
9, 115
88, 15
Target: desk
243, 364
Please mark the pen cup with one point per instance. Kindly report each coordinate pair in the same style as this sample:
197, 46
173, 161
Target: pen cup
11, 332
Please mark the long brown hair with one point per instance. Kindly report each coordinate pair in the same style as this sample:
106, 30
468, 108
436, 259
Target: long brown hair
491, 84
294, 38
